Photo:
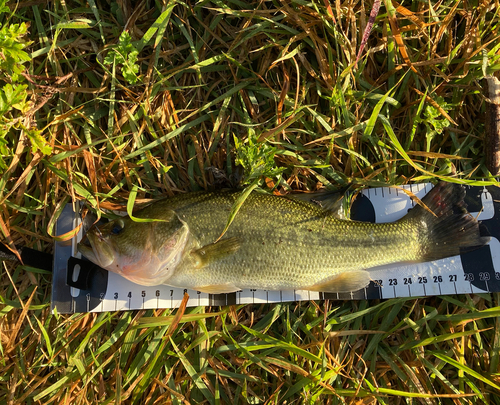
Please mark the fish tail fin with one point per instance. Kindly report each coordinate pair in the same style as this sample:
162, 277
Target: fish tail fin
448, 228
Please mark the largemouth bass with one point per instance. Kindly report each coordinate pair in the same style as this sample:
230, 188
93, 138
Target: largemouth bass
275, 243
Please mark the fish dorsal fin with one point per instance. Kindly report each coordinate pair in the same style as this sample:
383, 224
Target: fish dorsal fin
345, 282
330, 201
215, 251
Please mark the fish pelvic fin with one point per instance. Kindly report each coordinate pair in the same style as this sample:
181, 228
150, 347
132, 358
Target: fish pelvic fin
447, 227
218, 288
344, 282
214, 251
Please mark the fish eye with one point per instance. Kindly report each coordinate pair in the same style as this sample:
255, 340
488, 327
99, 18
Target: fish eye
117, 228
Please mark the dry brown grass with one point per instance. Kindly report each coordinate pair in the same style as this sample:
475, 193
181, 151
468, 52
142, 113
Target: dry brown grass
284, 76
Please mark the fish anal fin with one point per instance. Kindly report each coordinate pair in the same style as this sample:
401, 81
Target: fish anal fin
218, 289
345, 282
215, 251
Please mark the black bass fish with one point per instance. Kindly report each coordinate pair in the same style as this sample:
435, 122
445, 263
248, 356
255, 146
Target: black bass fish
275, 243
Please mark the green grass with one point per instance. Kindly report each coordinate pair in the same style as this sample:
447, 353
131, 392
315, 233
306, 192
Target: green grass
170, 106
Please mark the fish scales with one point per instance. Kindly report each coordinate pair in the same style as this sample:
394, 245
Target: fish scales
288, 244
275, 243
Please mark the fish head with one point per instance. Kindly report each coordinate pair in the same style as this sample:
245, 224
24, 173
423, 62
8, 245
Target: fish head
145, 253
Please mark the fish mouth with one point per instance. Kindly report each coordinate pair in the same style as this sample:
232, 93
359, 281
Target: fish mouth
95, 248
86, 248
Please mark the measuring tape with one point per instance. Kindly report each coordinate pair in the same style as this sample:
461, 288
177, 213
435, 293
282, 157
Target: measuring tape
471, 272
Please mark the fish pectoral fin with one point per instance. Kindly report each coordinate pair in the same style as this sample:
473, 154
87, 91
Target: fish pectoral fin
214, 251
218, 288
345, 282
